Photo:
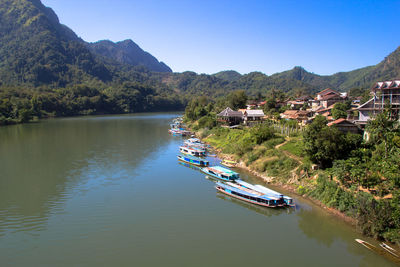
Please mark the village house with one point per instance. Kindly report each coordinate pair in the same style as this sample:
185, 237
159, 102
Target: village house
327, 98
252, 115
345, 126
301, 116
230, 116
383, 93
299, 102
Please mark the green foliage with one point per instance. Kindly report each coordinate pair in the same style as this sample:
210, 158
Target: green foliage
262, 133
237, 99
294, 146
383, 129
324, 144
339, 110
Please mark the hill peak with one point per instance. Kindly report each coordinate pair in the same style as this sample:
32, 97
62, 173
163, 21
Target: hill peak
128, 52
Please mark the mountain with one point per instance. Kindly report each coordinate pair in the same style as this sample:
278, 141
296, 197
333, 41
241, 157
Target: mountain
128, 52
387, 69
36, 49
228, 75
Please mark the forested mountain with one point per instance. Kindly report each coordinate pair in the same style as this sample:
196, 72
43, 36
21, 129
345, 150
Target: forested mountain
388, 69
46, 70
36, 49
128, 52
228, 75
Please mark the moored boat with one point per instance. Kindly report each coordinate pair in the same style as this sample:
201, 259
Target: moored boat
389, 249
366, 244
248, 195
179, 132
221, 173
192, 151
194, 142
287, 201
193, 160
229, 163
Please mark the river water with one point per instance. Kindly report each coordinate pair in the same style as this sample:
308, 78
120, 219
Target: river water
108, 191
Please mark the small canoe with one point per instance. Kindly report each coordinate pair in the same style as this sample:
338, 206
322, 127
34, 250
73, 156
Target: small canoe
228, 163
366, 244
389, 249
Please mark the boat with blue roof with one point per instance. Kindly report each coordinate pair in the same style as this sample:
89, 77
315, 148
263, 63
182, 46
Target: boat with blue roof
221, 173
193, 160
238, 191
287, 201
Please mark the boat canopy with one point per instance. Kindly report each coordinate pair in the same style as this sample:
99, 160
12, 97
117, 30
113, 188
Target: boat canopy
192, 157
267, 190
224, 170
231, 188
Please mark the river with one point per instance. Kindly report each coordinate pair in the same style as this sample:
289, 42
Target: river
108, 191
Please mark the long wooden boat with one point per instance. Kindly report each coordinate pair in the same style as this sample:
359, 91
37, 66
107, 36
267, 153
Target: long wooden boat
248, 195
287, 201
366, 244
221, 173
193, 160
389, 249
192, 151
229, 163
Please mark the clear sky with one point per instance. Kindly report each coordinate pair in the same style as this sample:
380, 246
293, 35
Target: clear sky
270, 36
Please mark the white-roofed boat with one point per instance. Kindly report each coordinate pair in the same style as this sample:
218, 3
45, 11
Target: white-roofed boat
197, 152
249, 195
262, 189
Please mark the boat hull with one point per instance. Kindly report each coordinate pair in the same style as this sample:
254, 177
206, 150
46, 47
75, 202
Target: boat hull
199, 163
244, 199
216, 176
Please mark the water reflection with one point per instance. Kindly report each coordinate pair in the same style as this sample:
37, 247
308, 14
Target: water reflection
42, 165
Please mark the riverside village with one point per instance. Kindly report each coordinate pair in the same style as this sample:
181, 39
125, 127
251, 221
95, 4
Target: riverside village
332, 148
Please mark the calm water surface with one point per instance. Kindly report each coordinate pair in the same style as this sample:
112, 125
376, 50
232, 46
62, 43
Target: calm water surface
108, 191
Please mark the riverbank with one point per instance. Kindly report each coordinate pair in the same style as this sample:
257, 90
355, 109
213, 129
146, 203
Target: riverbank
272, 161
290, 187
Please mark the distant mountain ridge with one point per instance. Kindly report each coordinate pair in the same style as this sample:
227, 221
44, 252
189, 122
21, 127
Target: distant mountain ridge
36, 50
128, 52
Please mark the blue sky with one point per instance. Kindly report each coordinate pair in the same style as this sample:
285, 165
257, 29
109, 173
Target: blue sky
270, 36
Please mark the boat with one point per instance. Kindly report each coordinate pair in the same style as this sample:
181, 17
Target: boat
287, 201
194, 142
248, 195
229, 163
389, 249
221, 173
192, 151
366, 244
179, 132
193, 160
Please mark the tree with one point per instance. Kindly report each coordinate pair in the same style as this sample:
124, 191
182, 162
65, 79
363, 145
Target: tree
237, 99
382, 129
324, 144
270, 105
339, 110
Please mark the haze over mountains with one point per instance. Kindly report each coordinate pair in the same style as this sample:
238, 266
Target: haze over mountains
36, 50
